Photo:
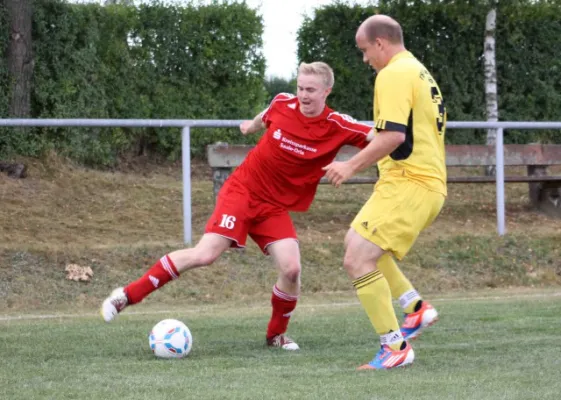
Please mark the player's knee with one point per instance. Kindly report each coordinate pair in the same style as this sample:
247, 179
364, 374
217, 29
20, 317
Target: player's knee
349, 262
291, 271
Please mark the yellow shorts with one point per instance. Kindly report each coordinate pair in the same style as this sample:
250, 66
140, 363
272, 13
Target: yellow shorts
396, 213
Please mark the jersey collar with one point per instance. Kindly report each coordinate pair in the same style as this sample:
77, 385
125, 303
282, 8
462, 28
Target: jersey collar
326, 111
401, 55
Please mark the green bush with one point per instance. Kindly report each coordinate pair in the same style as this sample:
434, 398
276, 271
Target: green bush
155, 61
192, 61
447, 36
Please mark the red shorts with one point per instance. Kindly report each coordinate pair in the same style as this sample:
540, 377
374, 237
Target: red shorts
239, 213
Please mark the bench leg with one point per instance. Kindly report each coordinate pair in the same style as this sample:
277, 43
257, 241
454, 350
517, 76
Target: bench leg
545, 196
536, 188
550, 199
219, 176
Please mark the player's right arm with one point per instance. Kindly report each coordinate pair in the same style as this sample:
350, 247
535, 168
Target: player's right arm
395, 101
261, 120
253, 125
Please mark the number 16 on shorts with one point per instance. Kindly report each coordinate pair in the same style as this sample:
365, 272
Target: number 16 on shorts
228, 221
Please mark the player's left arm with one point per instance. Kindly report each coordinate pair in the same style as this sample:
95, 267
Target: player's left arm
355, 133
383, 144
395, 99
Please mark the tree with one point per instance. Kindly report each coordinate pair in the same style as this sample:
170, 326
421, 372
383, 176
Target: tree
275, 85
490, 70
19, 56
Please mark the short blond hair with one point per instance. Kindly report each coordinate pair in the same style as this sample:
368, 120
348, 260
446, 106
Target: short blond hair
318, 68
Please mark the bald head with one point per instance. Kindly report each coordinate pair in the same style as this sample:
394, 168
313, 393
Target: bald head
382, 27
379, 38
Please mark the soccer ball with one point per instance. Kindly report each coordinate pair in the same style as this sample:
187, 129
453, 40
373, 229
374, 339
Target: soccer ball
170, 338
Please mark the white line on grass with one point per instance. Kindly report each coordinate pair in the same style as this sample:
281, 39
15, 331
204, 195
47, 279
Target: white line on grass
199, 309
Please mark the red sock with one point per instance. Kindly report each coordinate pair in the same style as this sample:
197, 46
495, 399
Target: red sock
283, 305
157, 276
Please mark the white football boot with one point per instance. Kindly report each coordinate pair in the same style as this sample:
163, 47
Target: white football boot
114, 304
283, 342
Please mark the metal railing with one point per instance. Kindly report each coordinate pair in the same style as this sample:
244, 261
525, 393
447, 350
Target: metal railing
187, 124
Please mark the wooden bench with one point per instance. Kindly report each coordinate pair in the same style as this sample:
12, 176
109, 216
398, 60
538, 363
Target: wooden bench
544, 189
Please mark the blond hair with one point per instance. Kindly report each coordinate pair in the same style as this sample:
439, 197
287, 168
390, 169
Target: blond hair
318, 68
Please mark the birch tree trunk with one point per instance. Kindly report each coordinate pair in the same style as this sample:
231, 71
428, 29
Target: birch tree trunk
491, 98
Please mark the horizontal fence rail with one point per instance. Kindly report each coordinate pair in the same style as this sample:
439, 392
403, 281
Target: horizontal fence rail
187, 124
225, 123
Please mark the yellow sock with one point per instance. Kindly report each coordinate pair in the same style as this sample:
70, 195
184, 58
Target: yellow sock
400, 286
374, 294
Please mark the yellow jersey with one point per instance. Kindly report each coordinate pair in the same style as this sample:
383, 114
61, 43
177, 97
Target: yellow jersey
407, 99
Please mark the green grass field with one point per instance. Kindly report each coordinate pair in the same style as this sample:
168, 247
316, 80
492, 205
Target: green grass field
495, 345
501, 341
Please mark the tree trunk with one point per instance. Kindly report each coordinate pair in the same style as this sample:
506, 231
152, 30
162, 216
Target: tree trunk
491, 98
19, 56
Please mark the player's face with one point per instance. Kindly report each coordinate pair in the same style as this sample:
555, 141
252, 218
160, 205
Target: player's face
312, 93
372, 52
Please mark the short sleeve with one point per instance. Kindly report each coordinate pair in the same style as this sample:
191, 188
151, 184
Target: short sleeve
265, 116
356, 133
394, 99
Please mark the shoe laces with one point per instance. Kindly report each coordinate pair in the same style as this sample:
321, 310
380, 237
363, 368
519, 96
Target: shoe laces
281, 340
119, 301
383, 350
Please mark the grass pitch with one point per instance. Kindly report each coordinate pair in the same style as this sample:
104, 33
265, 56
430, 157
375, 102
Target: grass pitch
501, 341
498, 346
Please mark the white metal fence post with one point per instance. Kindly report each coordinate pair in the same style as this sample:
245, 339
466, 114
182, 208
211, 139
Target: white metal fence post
500, 180
186, 167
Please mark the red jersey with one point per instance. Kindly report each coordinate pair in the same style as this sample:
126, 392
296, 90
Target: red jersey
285, 166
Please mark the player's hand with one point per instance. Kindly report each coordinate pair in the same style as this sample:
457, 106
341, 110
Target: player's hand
338, 172
245, 127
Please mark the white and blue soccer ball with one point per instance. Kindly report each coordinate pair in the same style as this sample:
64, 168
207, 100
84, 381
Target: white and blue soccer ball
170, 338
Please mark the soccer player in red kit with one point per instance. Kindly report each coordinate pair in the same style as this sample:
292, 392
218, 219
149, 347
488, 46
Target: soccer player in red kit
280, 174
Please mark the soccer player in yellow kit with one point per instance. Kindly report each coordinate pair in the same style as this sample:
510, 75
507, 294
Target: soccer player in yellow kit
410, 120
